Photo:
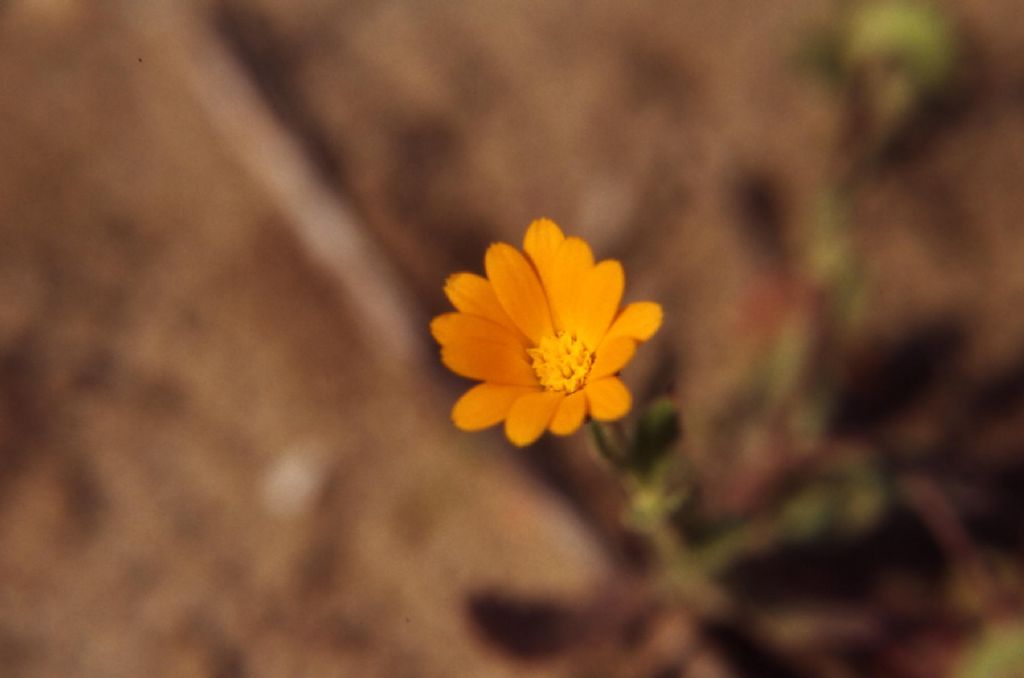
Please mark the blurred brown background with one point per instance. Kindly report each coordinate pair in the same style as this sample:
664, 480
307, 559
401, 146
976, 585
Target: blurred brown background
224, 439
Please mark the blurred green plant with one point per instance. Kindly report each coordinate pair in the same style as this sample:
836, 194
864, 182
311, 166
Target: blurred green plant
998, 652
648, 461
843, 502
910, 40
891, 60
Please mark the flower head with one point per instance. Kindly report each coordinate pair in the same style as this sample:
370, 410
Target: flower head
544, 334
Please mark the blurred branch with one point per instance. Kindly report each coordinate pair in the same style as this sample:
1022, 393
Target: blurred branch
939, 515
326, 226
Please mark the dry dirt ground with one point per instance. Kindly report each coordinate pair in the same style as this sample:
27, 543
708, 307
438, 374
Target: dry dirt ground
224, 438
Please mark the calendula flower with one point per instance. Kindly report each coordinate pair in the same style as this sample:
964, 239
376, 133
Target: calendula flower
544, 333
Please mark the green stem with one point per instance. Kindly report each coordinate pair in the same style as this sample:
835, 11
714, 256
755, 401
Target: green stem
611, 443
650, 512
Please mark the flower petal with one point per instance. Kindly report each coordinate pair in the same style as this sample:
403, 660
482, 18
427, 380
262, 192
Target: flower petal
486, 361
573, 261
569, 414
612, 357
599, 300
473, 294
518, 290
541, 242
608, 398
485, 405
639, 320
454, 328
530, 415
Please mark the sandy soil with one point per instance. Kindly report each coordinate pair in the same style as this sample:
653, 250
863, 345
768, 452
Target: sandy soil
224, 436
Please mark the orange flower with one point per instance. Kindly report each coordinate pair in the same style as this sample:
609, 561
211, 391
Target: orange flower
544, 333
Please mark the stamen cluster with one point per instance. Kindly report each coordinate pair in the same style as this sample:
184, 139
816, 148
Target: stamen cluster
561, 362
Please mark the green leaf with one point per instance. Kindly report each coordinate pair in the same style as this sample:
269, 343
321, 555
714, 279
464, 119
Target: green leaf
656, 436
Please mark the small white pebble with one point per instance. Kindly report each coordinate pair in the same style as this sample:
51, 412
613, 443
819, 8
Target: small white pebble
291, 484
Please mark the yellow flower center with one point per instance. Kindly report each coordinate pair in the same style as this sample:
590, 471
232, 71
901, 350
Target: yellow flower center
561, 362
